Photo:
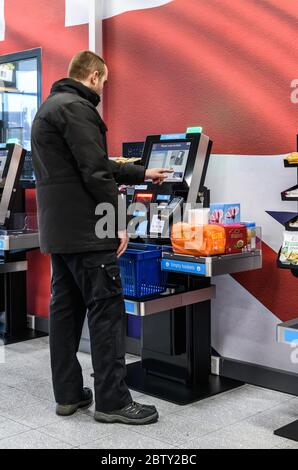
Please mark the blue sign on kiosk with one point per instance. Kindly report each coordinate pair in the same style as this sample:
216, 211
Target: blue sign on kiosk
186, 267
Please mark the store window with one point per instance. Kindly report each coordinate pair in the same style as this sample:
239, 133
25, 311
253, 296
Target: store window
20, 95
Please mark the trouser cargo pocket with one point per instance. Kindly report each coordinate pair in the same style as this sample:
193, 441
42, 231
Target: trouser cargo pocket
103, 273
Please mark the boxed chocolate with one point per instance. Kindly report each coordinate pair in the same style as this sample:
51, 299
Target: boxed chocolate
236, 237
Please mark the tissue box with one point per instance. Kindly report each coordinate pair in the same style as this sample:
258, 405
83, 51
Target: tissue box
198, 216
224, 213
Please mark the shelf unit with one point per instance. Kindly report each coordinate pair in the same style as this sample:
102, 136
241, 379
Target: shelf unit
288, 227
210, 266
281, 265
284, 196
290, 165
287, 332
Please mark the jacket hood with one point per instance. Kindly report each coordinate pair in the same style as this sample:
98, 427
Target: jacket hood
69, 85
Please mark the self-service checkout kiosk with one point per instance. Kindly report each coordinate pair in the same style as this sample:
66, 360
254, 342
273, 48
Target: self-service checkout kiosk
18, 234
176, 355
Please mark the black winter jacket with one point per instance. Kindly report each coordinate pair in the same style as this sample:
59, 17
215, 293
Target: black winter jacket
72, 169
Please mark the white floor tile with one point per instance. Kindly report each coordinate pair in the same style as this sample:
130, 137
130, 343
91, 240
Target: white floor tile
176, 430
242, 418
78, 429
32, 412
41, 388
240, 436
126, 439
32, 440
10, 428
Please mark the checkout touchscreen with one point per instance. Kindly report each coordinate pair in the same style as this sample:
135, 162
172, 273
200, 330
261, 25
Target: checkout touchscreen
172, 155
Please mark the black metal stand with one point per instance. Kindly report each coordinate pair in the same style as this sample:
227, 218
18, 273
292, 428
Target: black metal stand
26, 335
290, 431
175, 392
15, 296
176, 354
13, 300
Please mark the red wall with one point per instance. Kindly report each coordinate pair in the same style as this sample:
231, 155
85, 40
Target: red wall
226, 65
31, 24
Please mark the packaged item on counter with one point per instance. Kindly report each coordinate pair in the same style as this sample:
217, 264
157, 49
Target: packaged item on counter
204, 240
198, 216
224, 213
289, 250
231, 213
216, 213
251, 235
236, 238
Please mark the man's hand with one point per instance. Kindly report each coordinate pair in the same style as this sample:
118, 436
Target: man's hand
123, 237
157, 175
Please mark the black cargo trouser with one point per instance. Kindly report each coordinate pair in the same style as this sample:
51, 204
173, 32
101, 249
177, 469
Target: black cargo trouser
88, 282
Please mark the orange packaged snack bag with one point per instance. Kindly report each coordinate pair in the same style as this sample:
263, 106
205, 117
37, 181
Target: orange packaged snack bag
203, 240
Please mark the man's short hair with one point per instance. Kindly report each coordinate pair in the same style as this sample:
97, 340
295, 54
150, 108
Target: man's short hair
84, 63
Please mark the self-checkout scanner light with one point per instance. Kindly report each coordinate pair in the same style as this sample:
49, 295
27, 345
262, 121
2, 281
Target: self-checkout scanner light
194, 130
144, 196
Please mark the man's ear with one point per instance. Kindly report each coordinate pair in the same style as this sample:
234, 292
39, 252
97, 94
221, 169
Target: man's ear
95, 76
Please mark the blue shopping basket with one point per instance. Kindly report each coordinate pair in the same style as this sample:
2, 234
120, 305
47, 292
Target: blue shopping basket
141, 272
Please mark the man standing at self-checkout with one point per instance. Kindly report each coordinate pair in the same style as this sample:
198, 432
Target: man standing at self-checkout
73, 176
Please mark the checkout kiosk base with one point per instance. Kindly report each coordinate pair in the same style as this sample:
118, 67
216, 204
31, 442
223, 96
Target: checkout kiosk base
25, 335
18, 235
176, 346
14, 246
141, 381
176, 329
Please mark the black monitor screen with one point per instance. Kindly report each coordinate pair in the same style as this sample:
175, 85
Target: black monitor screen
172, 155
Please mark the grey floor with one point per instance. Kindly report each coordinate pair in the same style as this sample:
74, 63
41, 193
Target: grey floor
242, 418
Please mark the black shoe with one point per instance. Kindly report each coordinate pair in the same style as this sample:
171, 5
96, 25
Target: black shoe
134, 413
67, 410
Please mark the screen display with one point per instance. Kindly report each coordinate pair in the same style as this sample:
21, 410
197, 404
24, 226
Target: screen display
163, 197
172, 155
